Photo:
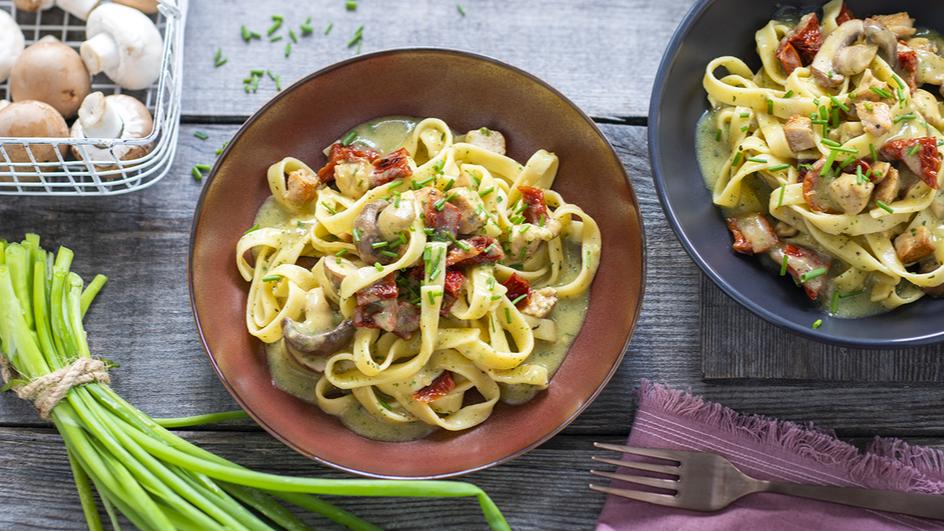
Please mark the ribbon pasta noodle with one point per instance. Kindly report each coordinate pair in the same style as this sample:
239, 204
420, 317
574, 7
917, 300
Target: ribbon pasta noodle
418, 278
827, 158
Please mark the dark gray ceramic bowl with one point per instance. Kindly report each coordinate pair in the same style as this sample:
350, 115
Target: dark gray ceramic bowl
726, 27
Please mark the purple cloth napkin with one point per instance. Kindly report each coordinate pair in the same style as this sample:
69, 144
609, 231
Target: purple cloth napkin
775, 450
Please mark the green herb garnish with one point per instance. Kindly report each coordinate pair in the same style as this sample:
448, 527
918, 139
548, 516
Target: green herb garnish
201, 135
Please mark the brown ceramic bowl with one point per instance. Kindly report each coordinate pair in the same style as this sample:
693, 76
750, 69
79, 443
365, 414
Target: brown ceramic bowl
466, 91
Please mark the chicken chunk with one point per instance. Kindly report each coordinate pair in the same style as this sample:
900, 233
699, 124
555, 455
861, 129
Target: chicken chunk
799, 133
801, 263
876, 117
541, 302
899, 23
784, 230
880, 170
887, 190
846, 131
353, 177
471, 211
849, 193
752, 234
922, 43
526, 239
870, 88
301, 186
485, 138
914, 244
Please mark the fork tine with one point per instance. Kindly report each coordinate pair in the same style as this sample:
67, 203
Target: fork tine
669, 484
662, 469
649, 497
671, 455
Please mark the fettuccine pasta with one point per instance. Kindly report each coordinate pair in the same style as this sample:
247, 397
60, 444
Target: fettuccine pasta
417, 278
827, 158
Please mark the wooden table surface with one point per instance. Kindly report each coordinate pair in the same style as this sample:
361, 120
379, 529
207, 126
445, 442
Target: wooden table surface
603, 55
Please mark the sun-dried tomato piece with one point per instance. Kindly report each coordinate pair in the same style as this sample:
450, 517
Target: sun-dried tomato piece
338, 154
385, 288
789, 58
392, 166
535, 208
439, 214
908, 66
453, 283
924, 160
437, 389
478, 250
517, 287
801, 45
845, 14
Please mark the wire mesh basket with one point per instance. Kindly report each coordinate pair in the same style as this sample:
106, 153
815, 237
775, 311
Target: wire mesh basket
90, 166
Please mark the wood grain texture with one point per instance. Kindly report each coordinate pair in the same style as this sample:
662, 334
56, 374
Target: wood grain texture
143, 317
762, 351
602, 54
35, 462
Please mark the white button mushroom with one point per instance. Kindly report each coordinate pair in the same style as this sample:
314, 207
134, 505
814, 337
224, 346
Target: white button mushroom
77, 8
33, 5
148, 6
123, 43
11, 44
116, 116
51, 72
31, 119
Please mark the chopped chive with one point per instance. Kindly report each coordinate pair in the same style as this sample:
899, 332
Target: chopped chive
291, 35
744, 129
718, 135
885, 207
745, 115
484, 193
778, 167
257, 72
834, 303
201, 135
844, 149
757, 159
389, 254
276, 38
202, 167
329, 28
247, 34
519, 298
817, 323
219, 150
788, 94
252, 229
342, 252
898, 81
378, 245
378, 266
507, 315
288, 50
348, 138
439, 205
272, 278
904, 117
329, 208
873, 152
780, 199
831, 143
350, 5
306, 28
431, 295
837, 103
357, 38
737, 158
276, 24
770, 106
860, 176
196, 173
914, 149
901, 96
449, 184
810, 275
357, 234
218, 59
882, 93
783, 264
851, 294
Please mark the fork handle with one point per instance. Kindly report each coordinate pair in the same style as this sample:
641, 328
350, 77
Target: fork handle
915, 504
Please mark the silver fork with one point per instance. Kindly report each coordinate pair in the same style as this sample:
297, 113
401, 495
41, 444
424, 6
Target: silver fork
709, 482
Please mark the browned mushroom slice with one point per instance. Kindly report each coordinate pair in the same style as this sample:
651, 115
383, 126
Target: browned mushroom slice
309, 349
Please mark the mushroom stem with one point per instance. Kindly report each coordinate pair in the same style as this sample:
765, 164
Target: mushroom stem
100, 120
78, 8
100, 52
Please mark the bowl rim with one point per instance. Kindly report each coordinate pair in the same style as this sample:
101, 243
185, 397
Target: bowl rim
617, 361
659, 85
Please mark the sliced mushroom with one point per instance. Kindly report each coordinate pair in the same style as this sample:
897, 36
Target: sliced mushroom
854, 59
309, 349
877, 33
124, 43
115, 116
31, 119
147, 6
11, 44
843, 36
33, 5
394, 219
368, 233
51, 72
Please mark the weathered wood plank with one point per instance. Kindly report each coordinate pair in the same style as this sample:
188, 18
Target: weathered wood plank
40, 492
591, 51
143, 318
762, 351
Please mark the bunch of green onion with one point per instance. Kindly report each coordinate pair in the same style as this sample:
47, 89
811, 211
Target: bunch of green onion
156, 479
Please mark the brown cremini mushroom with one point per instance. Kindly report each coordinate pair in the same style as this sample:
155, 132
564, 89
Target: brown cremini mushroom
11, 44
33, 5
115, 116
51, 72
31, 119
